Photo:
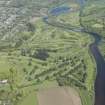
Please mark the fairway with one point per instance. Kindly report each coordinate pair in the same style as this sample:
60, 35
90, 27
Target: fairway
58, 96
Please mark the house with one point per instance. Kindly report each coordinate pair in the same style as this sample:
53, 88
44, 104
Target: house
3, 81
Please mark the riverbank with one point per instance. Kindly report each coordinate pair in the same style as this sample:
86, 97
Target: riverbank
90, 78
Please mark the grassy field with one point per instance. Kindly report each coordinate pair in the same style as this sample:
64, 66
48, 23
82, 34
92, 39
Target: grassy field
30, 99
86, 97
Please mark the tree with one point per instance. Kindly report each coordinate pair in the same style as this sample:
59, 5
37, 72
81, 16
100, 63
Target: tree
41, 54
23, 52
30, 27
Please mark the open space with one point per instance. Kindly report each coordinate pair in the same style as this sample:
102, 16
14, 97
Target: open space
58, 96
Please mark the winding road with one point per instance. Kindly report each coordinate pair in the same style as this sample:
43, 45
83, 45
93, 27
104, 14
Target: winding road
100, 78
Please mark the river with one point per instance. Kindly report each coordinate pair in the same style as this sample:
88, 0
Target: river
100, 77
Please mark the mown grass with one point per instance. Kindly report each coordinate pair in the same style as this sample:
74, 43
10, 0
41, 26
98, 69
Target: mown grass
86, 97
31, 99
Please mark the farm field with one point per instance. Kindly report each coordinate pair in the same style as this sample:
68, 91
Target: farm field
59, 96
